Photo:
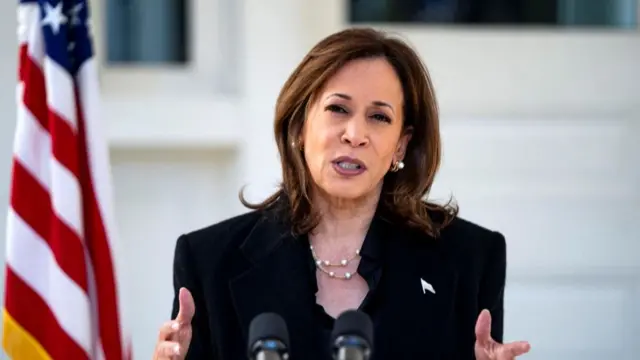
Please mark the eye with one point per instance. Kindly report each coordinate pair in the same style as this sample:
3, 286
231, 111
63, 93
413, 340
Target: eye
336, 109
382, 117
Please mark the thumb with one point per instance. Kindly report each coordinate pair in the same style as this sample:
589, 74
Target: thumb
187, 307
483, 328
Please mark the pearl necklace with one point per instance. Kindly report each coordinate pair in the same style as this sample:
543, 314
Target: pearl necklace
322, 265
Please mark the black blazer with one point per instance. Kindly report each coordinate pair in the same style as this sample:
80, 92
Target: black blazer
250, 264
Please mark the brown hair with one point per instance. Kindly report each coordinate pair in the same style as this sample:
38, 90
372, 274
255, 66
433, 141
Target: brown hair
404, 191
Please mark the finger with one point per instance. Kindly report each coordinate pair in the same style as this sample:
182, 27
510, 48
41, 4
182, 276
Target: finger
483, 328
511, 350
187, 307
168, 329
169, 350
183, 336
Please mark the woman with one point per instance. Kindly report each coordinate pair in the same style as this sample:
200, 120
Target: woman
357, 130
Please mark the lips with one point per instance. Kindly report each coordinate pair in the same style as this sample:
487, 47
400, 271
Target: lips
348, 167
349, 163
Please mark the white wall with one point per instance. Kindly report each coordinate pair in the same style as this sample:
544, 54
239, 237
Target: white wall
542, 141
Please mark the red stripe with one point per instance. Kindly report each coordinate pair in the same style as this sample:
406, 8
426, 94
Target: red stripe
64, 142
100, 254
66, 246
33, 314
35, 93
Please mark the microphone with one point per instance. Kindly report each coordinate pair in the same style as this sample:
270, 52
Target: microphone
352, 336
268, 338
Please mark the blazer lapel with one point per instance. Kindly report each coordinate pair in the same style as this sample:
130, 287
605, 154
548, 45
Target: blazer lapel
278, 281
420, 282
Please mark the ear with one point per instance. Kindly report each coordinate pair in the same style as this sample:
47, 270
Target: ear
298, 137
403, 142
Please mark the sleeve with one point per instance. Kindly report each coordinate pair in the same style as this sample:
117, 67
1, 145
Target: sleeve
184, 275
491, 295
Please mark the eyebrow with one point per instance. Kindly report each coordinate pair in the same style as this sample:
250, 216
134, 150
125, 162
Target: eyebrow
376, 103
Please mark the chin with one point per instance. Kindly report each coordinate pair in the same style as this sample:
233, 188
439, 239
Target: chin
346, 191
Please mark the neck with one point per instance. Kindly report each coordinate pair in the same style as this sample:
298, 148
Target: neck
344, 221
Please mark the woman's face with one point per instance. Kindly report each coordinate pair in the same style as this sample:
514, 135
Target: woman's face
353, 132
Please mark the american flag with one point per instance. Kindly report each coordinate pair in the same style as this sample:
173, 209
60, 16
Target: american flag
61, 292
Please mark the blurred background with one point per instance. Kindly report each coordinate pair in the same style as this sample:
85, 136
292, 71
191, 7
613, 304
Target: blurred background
540, 104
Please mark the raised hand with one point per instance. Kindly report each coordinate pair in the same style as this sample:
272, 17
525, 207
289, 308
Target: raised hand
488, 349
175, 335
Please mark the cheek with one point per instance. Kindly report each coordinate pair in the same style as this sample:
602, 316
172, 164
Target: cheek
384, 152
317, 149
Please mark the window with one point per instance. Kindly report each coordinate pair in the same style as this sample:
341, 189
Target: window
557, 13
167, 47
167, 65
146, 31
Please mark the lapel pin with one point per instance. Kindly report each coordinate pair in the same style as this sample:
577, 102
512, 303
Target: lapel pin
426, 286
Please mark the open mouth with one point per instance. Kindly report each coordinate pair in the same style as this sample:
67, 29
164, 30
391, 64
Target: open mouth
347, 166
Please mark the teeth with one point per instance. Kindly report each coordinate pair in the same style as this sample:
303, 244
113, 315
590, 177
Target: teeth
349, 166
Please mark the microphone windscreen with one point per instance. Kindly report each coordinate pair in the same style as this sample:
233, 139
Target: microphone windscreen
353, 322
268, 326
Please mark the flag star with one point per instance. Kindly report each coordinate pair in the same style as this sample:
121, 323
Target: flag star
54, 17
75, 14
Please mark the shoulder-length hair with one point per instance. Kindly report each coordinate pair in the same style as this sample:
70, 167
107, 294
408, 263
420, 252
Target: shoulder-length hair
404, 192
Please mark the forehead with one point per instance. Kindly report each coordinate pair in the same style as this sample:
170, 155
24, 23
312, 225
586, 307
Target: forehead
367, 80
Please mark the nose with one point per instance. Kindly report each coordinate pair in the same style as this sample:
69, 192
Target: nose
356, 133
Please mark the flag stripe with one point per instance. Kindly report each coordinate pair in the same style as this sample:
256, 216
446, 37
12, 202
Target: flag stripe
27, 14
60, 90
28, 259
65, 196
34, 148
35, 92
40, 220
31, 31
65, 144
92, 160
19, 344
34, 315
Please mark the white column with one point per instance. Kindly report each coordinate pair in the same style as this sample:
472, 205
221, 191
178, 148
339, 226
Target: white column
273, 43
